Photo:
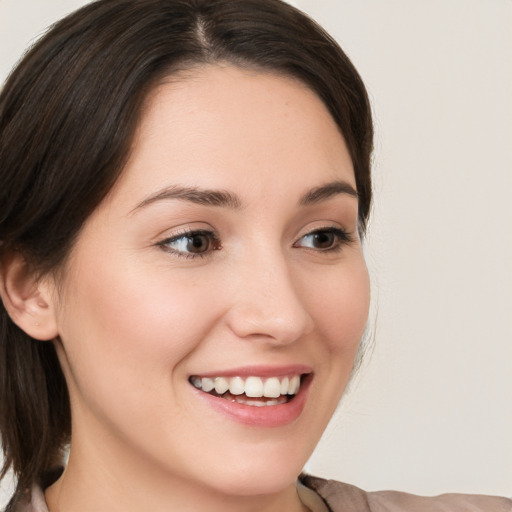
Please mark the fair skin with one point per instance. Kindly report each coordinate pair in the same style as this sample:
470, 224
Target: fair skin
272, 284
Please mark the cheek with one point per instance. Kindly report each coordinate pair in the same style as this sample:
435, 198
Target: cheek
339, 304
126, 328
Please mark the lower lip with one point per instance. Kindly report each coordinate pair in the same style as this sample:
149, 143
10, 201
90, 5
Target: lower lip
265, 416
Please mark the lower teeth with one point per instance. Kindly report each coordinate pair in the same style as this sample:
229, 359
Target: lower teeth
259, 403
254, 402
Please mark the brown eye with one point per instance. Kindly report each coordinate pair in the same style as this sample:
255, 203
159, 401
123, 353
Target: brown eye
330, 239
194, 243
323, 239
198, 243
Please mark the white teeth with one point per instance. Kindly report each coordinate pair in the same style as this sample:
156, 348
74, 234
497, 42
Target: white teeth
272, 388
259, 403
221, 385
207, 384
236, 386
255, 403
294, 385
285, 383
252, 387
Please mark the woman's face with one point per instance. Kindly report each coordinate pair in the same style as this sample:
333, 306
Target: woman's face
227, 254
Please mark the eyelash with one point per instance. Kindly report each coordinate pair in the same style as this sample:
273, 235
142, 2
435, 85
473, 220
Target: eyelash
341, 236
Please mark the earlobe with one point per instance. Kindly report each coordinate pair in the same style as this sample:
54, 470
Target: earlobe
28, 301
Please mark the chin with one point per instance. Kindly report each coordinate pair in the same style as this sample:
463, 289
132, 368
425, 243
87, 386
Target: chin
257, 483
262, 475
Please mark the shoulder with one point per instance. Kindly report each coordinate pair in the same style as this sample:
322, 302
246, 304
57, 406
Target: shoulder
344, 497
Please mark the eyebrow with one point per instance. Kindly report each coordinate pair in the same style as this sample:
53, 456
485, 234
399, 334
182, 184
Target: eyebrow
327, 191
224, 198
194, 195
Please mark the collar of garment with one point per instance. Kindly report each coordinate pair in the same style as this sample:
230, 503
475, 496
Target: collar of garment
34, 500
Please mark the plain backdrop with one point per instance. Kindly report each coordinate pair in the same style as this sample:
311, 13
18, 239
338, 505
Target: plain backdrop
431, 411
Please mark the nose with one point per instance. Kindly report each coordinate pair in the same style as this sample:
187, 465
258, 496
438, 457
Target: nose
267, 304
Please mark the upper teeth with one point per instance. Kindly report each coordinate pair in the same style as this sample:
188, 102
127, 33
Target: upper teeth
272, 387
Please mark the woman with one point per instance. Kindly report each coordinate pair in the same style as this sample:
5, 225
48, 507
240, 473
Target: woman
185, 188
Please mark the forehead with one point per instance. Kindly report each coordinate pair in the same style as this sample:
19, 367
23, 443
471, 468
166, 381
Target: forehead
221, 126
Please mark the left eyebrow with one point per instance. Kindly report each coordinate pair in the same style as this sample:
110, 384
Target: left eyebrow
327, 191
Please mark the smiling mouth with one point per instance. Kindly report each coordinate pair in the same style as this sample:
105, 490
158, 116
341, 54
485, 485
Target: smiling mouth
252, 391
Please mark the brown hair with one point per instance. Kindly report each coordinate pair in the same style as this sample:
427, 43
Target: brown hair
67, 118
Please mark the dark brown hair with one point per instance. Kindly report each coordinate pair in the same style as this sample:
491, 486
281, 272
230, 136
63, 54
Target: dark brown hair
67, 118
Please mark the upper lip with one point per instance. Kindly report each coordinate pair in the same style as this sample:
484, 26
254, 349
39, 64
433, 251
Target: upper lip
258, 371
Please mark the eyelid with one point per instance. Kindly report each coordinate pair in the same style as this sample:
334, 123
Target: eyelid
183, 230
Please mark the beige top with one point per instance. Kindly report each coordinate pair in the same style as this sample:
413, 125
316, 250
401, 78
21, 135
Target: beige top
340, 497
331, 496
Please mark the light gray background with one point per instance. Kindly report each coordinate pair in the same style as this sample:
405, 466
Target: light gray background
432, 411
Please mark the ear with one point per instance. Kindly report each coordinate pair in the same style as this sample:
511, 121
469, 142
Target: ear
28, 301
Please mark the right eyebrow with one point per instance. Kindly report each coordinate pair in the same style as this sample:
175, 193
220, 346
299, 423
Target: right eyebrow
207, 197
